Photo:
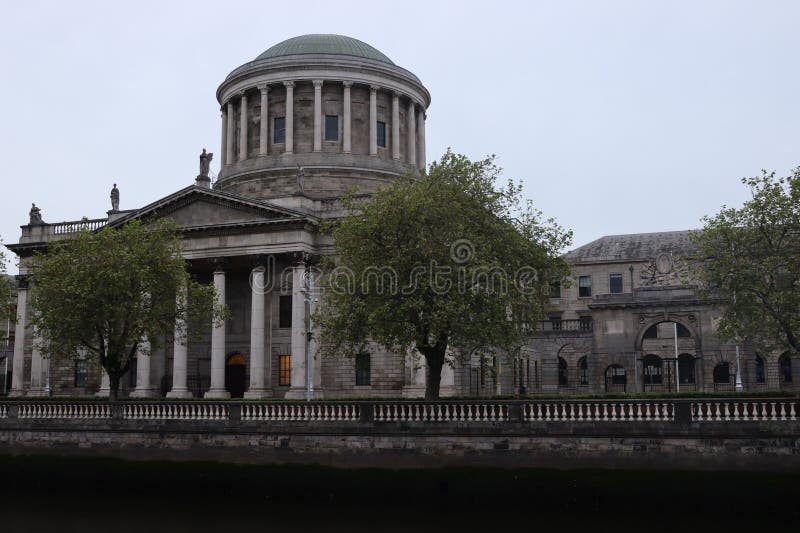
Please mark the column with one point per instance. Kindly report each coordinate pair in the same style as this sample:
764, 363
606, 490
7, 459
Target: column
299, 346
412, 135
289, 147
243, 127
37, 366
217, 389
257, 388
144, 387
317, 115
229, 135
421, 139
263, 132
180, 351
347, 141
373, 120
395, 126
105, 384
18, 368
224, 154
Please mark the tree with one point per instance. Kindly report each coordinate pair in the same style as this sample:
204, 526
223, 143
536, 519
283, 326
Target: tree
444, 260
6, 291
103, 293
752, 264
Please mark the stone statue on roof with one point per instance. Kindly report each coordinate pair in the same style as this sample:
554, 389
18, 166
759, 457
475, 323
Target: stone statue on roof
205, 163
36, 215
115, 198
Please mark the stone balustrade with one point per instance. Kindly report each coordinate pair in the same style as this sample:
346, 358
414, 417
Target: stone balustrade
463, 411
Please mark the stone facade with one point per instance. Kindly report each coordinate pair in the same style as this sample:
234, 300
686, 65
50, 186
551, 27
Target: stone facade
305, 123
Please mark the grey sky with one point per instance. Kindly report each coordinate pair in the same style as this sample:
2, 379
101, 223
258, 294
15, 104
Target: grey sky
620, 117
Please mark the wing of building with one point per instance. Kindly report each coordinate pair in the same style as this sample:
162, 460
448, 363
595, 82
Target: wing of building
303, 124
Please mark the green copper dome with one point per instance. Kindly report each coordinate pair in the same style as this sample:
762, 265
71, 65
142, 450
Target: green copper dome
320, 43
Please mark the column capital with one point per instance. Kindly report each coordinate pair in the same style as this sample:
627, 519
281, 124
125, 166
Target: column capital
317, 83
288, 84
23, 282
374, 88
397, 94
219, 264
264, 88
347, 84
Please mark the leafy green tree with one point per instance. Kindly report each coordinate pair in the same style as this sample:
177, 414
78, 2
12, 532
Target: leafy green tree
6, 291
752, 264
102, 293
444, 260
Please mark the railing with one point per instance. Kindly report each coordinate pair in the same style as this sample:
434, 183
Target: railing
62, 228
744, 410
66, 410
593, 411
176, 411
440, 412
454, 411
322, 412
585, 325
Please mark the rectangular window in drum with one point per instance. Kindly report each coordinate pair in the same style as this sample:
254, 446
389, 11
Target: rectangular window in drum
279, 130
382, 134
331, 127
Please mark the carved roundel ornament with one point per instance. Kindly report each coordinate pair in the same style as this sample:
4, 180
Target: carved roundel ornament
664, 263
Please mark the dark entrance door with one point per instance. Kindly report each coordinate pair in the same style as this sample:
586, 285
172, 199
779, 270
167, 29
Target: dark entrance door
236, 375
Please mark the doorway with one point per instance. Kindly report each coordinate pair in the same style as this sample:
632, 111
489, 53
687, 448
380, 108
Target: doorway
236, 375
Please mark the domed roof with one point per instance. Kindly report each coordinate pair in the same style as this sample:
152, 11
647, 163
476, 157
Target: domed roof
322, 43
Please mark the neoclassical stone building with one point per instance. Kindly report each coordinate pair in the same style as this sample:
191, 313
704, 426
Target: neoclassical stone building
305, 122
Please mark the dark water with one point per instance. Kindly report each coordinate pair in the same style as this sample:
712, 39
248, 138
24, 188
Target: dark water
92, 495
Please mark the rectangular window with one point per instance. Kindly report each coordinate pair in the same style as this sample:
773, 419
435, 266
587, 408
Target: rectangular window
584, 286
382, 134
81, 372
331, 127
285, 311
284, 370
615, 283
363, 375
555, 289
279, 130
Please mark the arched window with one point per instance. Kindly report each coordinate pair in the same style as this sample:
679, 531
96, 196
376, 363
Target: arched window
722, 372
583, 371
686, 368
785, 366
653, 370
761, 373
615, 377
652, 332
563, 381
683, 332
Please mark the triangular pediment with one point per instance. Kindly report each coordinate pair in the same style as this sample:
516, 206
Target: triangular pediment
195, 207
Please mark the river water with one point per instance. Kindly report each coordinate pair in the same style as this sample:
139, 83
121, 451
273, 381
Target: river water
89, 495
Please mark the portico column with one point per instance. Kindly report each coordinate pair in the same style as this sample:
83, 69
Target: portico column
105, 384
18, 368
373, 120
180, 352
412, 134
299, 346
263, 130
217, 389
289, 146
317, 115
243, 127
37, 367
144, 387
421, 139
229, 135
395, 126
257, 358
347, 142
223, 149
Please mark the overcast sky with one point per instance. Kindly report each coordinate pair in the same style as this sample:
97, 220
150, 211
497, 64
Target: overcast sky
620, 117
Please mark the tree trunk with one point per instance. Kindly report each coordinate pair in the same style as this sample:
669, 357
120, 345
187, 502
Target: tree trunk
434, 359
114, 388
